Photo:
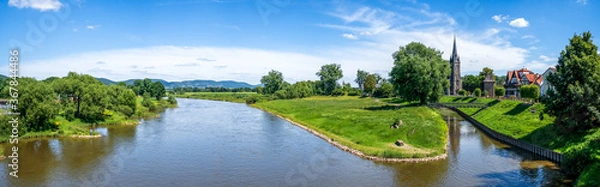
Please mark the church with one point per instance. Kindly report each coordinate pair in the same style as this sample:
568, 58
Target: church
455, 79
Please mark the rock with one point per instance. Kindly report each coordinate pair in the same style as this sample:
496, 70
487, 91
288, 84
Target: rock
399, 143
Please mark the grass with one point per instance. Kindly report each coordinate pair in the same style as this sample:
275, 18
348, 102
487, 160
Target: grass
514, 118
236, 97
364, 125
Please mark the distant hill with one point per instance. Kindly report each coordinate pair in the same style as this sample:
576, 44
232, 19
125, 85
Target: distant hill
188, 83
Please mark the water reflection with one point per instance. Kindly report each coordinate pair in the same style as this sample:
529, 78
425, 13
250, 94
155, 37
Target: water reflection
207, 143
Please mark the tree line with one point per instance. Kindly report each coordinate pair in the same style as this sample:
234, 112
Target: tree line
182, 90
77, 96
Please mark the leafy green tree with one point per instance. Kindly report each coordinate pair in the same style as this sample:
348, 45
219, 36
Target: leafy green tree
37, 104
477, 92
147, 102
471, 82
74, 87
272, 81
420, 73
304, 89
259, 90
157, 90
385, 90
329, 75
361, 76
370, 83
122, 100
499, 91
93, 102
576, 101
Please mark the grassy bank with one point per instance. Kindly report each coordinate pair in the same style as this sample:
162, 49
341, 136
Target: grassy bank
364, 125
236, 97
516, 119
66, 128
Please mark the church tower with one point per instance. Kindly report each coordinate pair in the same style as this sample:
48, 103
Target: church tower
455, 80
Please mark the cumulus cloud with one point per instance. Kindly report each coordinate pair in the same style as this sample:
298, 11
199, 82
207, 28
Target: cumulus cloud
350, 36
41, 5
519, 23
546, 58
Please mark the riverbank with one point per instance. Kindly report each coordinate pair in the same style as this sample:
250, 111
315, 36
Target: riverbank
78, 129
522, 121
234, 97
362, 126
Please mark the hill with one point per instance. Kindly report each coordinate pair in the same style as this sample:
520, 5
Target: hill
188, 83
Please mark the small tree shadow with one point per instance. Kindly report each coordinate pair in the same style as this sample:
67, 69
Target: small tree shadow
518, 109
493, 103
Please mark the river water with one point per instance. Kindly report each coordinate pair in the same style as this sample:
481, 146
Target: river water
209, 143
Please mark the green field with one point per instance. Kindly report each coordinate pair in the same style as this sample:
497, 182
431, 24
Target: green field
236, 97
364, 125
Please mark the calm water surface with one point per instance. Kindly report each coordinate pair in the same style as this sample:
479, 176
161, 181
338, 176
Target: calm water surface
208, 143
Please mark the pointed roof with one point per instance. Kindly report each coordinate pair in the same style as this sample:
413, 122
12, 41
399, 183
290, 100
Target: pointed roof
454, 56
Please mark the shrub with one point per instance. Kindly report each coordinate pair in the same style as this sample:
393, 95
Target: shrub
499, 91
281, 94
125, 110
172, 100
338, 92
477, 92
251, 99
462, 92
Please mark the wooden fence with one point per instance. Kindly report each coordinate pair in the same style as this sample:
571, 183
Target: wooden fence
537, 150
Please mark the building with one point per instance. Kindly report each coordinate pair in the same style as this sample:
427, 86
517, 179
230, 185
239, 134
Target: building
545, 86
455, 79
516, 78
488, 85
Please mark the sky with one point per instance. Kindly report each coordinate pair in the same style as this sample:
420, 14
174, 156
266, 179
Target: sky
243, 40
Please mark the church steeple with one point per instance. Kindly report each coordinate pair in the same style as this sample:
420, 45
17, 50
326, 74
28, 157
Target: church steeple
455, 79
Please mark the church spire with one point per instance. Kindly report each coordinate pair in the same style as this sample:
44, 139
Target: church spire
454, 52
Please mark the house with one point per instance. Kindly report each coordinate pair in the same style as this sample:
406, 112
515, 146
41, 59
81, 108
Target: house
545, 86
516, 78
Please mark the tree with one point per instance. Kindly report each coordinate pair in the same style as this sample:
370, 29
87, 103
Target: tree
576, 101
272, 82
36, 104
259, 90
500, 80
420, 73
370, 83
157, 90
477, 92
385, 90
499, 91
471, 82
329, 75
361, 76
172, 100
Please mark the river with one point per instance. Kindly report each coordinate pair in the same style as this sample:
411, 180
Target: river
209, 143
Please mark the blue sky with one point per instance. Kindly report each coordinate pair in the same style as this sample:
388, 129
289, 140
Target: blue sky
243, 40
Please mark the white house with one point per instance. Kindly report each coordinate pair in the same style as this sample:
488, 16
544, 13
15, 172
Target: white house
545, 86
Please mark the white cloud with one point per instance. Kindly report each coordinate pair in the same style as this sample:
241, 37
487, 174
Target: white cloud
350, 36
75, 29
499, 18
41, 5
582, 1
519, 22
546, 58
527, 36
91, 27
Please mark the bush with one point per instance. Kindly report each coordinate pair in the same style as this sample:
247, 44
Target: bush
251, 99
485, 93
477, 92
125, 110
281, 94
172, 100
338, 92
354, 92
499, 91
462, 92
